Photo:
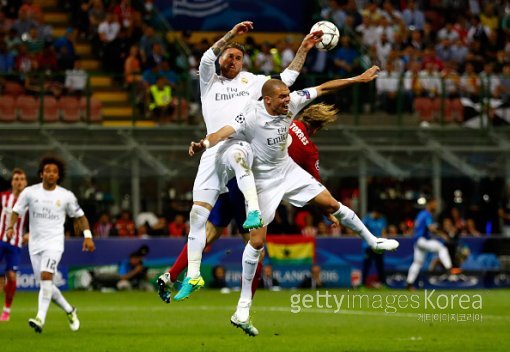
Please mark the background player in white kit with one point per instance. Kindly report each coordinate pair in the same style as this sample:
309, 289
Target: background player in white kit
48, 204
10, 249
265, 126
223, 97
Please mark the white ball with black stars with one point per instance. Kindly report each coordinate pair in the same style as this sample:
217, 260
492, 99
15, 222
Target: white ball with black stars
330, 37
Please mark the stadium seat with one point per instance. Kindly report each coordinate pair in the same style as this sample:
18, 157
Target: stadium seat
95, 109
28, 108
70, 108
50, 108
7, 108
13, 89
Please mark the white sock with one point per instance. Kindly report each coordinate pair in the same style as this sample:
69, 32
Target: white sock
7, 310
349, 219
245, 179
250, 261
59, 299
444, 257
414, 270
196, 239
45, 292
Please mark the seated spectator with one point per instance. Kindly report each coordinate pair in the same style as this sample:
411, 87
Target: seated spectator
388, 87
47, 59
67, 40
161, 102
24, 23
178, 227
34, 42
313, 280
470, 83
132, 274
413, 17
132, 67
218, 277
267, 280
453, 108
76, 80
125, 226
103, 226
7, 59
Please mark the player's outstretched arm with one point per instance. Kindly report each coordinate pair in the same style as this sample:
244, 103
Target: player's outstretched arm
306, 45
239, 29
334, 85
211, 140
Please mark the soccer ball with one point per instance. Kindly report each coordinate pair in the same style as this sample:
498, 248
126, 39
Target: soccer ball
330, 37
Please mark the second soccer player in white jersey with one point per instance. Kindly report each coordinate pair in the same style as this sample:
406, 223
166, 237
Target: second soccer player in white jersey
265, 126
48, 204
223, 97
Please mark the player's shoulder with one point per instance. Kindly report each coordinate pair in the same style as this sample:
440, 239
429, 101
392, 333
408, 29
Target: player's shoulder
33, 188
64, 191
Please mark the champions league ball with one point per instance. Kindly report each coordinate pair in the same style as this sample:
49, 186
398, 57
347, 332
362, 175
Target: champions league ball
330, 37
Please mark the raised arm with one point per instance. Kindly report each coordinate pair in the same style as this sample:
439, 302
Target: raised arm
211, 140
239, 29
334, 85
291, 73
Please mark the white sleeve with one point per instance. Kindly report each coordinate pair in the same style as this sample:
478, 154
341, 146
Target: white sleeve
206, 69
289, 76
301, 98
73, 209
21, 205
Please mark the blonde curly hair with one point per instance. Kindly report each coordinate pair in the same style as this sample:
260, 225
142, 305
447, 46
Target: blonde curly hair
319, 115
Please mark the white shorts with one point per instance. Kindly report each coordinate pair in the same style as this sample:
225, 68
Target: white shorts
215, 171
45, 261
423, 246
289, 182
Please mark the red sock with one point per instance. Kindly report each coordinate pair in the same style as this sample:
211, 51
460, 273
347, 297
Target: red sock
256, 279
10, 290
180, 264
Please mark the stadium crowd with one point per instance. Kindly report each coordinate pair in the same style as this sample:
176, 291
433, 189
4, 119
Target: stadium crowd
440, 59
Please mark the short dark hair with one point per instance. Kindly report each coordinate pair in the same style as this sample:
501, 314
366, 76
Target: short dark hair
17, 170
50, 159
234, 45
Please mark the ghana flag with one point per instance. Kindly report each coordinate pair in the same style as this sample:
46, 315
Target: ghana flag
291, 250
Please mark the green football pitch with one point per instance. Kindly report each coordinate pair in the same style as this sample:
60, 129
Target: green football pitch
139, 321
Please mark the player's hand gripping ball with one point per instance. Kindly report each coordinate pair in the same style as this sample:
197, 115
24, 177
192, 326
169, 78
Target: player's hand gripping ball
330, 37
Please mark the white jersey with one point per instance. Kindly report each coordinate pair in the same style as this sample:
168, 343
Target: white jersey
223, 98
47, 214
268, 134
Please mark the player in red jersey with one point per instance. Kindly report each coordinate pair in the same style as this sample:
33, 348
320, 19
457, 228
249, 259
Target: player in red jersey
11, 249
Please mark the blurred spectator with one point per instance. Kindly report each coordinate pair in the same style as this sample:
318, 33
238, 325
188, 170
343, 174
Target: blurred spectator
453, 108
470, 83
124, 12
24, 23
346, 58
155, 56
267, 60
161, 102
47, 59
267, 280
76, 80
309, 229
388, 86
125, 226
218, 277
149, 38
108, 31
178, 227
504, 213
7, 59
97, 15
103, 226
132, 67
313, 280
413, 17
376, 224
34, 42
5, 23
67, 40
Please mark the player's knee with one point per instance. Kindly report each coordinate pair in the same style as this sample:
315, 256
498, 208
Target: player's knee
257, 242
11, 276
45, 275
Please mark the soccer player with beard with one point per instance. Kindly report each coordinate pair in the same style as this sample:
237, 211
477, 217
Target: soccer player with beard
265, 126
223, 97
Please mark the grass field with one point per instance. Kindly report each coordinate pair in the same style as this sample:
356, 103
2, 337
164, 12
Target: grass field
139, 321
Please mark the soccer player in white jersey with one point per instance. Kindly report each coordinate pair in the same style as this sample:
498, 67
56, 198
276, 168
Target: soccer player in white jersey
11, 249
265, 126
48, 204
223, 97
